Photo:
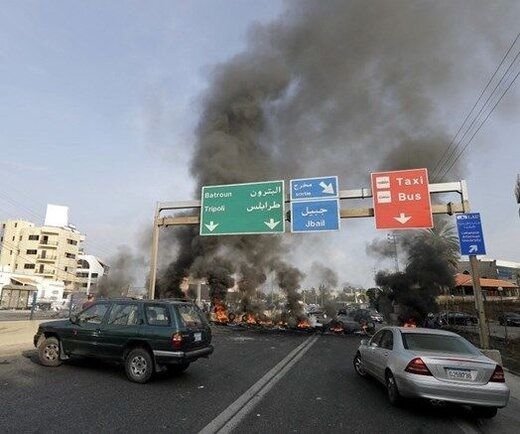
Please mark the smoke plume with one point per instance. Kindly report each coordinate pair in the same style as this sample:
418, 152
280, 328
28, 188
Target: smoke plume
344, 87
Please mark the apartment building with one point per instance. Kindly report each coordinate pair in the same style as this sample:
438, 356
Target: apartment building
50, 251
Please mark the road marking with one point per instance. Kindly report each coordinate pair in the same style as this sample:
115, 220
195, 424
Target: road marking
229, 419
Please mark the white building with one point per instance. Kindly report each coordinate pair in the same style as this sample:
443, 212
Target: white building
90, 270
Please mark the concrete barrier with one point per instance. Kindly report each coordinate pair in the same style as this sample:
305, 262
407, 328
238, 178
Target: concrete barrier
17, 336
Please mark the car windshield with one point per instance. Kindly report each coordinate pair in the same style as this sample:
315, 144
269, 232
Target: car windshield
437, 343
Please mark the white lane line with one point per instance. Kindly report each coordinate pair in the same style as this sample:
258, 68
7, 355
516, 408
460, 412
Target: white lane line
226, 421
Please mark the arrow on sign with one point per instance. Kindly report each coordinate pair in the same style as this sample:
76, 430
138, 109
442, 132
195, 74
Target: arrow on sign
473, 248
327, 188
402, 218
271, 224
212, 226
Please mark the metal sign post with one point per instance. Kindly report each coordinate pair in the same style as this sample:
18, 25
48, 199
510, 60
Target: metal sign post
471, 241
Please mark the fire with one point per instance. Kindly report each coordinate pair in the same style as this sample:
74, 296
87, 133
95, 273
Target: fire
221, 313
336, 327
410, 323
304, 324
249, 318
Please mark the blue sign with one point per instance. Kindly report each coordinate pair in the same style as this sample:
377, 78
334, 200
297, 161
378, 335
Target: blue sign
471, 237
314, 188
315, 216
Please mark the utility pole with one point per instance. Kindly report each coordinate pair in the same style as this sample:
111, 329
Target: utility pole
153, 257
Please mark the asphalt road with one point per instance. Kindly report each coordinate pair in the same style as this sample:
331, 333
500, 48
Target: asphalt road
268, 382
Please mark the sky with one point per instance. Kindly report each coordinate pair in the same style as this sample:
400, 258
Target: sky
99, 102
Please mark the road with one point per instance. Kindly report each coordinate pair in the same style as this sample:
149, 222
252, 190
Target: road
255, 382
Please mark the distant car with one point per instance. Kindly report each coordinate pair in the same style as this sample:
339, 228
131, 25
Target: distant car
456, 318
146, 335
376, 316
433, 364
510, 319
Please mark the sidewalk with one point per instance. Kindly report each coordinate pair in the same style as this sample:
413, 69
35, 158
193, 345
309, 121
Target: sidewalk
17, 336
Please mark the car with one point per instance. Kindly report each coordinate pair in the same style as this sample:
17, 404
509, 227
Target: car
510, 319
437, 365
376, 316
147, 336
456, 318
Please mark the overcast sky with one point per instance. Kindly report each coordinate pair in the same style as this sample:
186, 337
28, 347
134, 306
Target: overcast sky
99, 101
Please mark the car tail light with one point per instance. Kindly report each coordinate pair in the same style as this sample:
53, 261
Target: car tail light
498, 375
417, 366
177, 341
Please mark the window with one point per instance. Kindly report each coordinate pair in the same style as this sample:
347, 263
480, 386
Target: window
29, 266
31, 252
13, 238
81, 274
72, 242
84, 285
15, 225
94, 314
376, 338
440, 343
123, 314
157, 315
34, 237
70, 255
190, 315
387, 340
94, 275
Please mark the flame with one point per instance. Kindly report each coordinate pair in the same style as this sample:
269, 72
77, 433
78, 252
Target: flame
304, 324
336, 328
249, 318
221, 313
410, 323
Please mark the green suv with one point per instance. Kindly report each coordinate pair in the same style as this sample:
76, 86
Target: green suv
146, 335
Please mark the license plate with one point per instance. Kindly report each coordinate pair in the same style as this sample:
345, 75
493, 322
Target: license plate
198, 337
459, 374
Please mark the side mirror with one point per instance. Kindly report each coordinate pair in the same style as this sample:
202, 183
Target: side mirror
74, 318
364, 342
373, 345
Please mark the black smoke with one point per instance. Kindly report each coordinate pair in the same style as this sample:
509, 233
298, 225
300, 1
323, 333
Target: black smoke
333, 86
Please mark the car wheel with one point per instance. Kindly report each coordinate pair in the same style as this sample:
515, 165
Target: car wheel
178, 369
392, 391
49, 352
485, 412
139, 365
358, 366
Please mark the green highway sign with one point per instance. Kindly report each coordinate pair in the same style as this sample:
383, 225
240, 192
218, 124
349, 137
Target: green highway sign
236, 209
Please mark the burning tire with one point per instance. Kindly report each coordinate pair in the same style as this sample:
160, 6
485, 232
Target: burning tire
139, 365
49, 352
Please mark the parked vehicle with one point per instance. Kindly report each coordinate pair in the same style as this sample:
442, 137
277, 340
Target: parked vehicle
146, 335
456, 318
511, 319
432, 364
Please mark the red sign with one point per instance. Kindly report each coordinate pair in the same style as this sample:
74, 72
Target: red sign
402, 199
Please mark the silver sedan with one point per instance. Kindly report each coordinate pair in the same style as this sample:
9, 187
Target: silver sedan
433, 364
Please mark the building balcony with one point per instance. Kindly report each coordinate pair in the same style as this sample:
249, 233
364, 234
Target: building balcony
45, 259
46, 272
49, 244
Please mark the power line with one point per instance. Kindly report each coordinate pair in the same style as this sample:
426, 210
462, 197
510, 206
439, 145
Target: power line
444, 162
480, 126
